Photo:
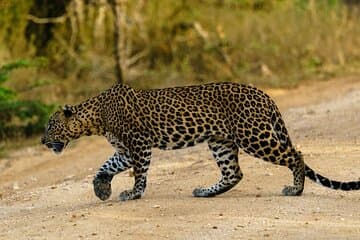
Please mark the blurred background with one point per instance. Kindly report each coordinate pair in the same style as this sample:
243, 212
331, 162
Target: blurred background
62, 51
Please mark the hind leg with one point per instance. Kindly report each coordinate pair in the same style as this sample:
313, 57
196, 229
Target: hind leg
298, 170
294, 161
281, 153
225, 153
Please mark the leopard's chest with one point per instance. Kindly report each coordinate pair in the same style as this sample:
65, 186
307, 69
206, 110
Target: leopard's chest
116, 143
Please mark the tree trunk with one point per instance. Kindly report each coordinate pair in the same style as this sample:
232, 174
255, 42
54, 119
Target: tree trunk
38, 32
116, 9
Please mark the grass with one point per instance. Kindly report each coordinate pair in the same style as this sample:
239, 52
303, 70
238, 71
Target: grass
266, 43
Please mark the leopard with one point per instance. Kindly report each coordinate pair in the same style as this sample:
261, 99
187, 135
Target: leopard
227, 116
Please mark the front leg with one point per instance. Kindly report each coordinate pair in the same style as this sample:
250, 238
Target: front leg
117, 163
141, 166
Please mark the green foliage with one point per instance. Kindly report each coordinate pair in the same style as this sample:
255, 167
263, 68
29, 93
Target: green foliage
166, 42
274, 43
19, 117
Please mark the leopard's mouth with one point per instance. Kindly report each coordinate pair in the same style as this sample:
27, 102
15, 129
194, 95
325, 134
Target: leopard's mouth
57, 146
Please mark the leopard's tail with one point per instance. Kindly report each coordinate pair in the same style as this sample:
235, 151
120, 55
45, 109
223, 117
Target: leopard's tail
336, 185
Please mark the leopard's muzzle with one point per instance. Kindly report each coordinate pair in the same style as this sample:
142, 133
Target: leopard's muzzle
57, 147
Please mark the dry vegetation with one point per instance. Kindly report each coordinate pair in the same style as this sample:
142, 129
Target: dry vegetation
164, 43
63, 52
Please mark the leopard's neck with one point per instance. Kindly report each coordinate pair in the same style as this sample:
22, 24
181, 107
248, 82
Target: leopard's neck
91, 114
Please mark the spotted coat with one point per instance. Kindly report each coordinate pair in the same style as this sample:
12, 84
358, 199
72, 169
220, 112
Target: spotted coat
228, 116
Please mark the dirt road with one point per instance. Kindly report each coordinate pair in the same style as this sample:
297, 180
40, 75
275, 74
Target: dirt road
44, 196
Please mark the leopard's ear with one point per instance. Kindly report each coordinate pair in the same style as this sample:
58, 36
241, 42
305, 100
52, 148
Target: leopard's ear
68, 110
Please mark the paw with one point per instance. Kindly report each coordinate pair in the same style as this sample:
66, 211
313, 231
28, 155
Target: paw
291, 191
202, 192
129, 195
102, 188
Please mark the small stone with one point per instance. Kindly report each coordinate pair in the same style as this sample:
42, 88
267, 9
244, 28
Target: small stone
34, 179
215, 227
311, 112
53, 187
277, 217
16, 186
156, 206
258, 195
69, 177
94, 234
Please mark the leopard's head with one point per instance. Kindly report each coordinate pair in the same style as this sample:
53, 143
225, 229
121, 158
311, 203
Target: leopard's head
63, 126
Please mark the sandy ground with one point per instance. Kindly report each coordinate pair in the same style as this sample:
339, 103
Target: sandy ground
44, 196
